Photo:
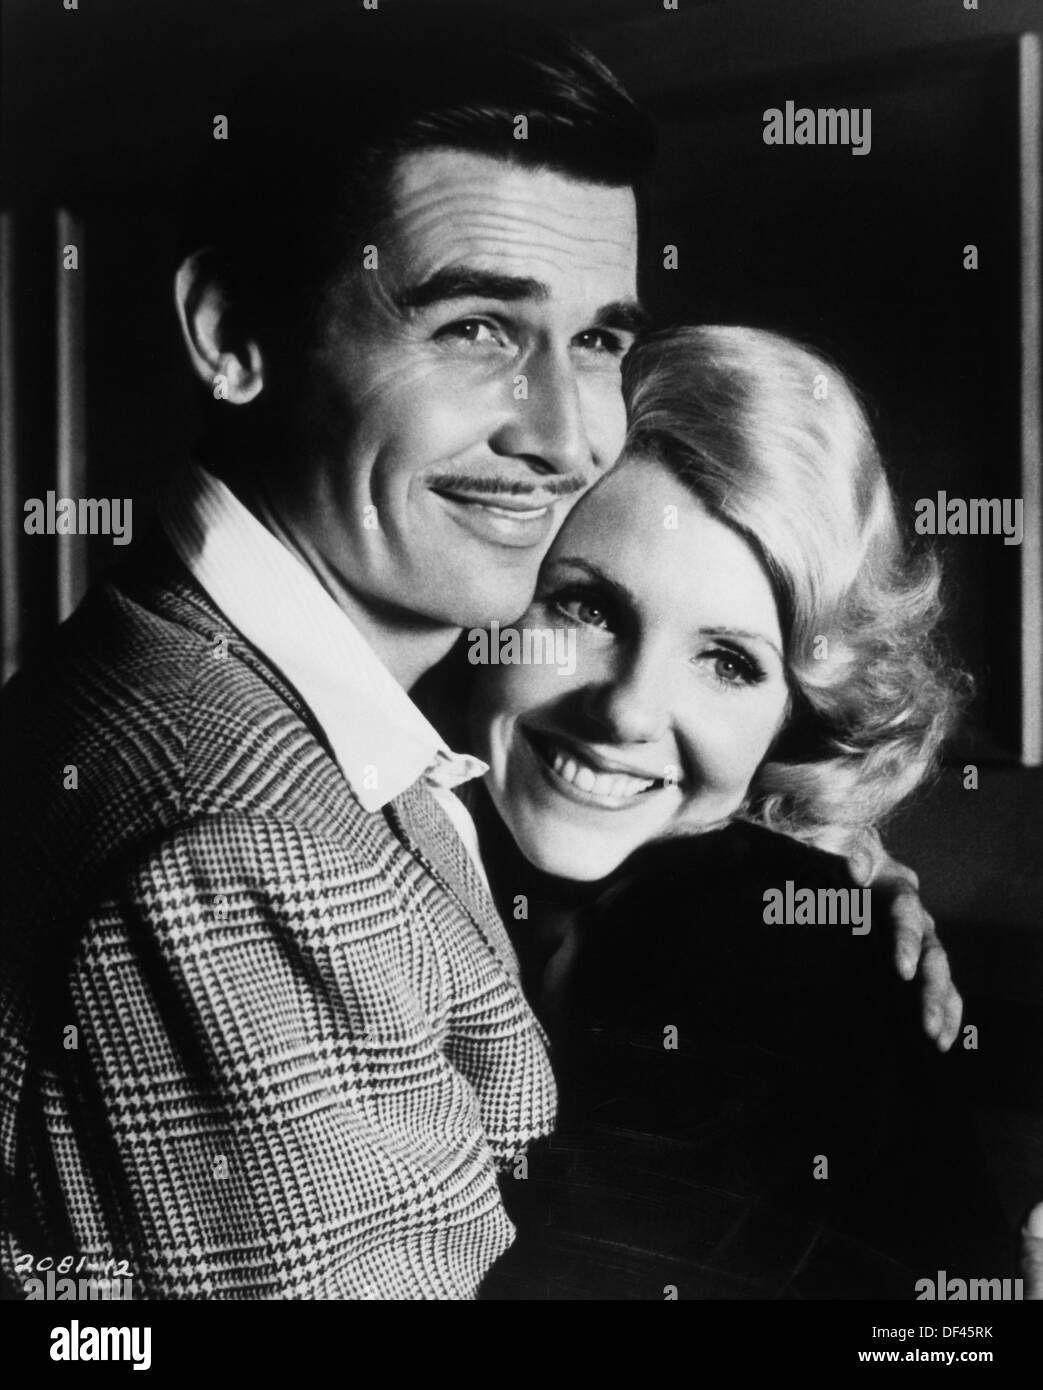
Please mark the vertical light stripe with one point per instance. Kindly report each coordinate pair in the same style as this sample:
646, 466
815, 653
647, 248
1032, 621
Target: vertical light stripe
70, 410
1031, 115
11, 513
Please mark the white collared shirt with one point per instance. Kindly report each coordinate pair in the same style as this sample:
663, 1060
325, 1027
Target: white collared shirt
381, 741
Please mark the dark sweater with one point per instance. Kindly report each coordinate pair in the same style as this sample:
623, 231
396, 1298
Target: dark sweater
693, 1167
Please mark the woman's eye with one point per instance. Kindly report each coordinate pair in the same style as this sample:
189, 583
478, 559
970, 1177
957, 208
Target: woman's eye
588, 612
476, 331
732, 668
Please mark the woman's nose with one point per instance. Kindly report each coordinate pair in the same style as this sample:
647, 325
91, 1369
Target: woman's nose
630, 705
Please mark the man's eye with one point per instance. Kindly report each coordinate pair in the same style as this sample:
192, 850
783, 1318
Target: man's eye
600, 340
477, 331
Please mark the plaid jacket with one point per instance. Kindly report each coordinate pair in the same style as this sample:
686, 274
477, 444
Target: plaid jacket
257, 1042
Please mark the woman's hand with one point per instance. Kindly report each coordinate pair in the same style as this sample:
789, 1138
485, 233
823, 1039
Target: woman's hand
917, 948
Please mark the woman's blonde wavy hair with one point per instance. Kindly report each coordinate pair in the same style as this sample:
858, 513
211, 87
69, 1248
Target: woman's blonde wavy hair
773, 441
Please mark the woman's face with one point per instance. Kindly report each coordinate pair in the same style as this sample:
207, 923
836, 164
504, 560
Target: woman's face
678, 690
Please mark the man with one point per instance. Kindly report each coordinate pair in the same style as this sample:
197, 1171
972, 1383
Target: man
263, 1030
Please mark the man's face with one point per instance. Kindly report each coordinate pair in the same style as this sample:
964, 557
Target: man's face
463, 397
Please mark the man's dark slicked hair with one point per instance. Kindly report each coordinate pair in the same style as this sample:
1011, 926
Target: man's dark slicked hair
301, 184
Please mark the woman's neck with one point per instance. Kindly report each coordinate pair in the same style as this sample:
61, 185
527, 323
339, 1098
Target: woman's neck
512, 876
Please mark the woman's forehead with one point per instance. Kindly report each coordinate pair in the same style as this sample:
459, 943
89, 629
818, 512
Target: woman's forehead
628, 500
644, 531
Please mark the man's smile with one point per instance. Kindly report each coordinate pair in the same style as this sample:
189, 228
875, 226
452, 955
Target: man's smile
502, 520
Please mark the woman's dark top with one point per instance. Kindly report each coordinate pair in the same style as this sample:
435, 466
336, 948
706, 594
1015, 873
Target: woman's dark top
747, 1110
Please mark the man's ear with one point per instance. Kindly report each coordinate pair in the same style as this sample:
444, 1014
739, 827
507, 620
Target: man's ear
224, 357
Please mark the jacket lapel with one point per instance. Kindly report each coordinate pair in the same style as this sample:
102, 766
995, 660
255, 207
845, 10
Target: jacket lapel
415, 815
430, 836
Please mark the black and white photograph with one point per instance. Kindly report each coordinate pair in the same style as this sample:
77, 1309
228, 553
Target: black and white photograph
522, 635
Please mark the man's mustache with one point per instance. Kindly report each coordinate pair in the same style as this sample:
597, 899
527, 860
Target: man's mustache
508, 487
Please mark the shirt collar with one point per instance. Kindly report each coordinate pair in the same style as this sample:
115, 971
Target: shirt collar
381, 741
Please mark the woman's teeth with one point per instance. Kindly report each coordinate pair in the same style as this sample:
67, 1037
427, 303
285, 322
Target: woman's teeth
618, 785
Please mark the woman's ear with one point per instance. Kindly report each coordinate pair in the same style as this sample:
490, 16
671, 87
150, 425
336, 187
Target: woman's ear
224, 358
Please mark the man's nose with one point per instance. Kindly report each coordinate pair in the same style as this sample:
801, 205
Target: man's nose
629, 704
546, 426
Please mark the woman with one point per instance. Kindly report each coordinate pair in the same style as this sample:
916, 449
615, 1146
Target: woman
741, 1074
747, 502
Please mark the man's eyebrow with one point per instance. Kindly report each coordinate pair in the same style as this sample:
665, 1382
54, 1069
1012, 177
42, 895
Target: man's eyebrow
463, 282
460, 282
628, 315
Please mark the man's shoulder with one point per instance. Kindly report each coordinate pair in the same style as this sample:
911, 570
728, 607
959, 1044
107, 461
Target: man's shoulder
142, 648
152, 708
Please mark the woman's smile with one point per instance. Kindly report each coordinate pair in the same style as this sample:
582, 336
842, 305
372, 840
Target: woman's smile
678, 689
580, 773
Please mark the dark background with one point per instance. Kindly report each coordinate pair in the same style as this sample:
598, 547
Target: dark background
105, 109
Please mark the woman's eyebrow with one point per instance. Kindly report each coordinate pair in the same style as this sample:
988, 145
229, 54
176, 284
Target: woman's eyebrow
743, 633
617, 587
593, 572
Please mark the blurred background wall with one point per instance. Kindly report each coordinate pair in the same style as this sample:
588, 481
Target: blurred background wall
105, 108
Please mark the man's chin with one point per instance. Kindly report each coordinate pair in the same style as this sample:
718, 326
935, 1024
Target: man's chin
503, 605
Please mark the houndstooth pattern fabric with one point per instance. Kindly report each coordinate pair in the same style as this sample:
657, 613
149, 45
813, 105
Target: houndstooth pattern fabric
257, 1042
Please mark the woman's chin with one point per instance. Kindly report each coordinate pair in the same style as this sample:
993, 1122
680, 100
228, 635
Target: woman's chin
571, 859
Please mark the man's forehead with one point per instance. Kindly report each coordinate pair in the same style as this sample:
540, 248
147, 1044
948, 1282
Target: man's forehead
453, 208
